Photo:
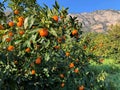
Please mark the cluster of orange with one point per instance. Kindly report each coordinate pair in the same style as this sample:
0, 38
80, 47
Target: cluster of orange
20, 20
19, 23
43, 32
37, 61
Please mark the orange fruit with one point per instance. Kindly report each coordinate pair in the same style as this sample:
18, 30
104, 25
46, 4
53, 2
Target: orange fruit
16, 12
20, 24
10, 34
101, 45
101, 60
33, 72
59, 40
11, 48
62, 75
21, 19
11, 24
67, 54
21, 32
64, 26
15, 62
81, 88
55, 18
71, 65
74, 32
56, 47
76, 70
84, 46
8, 39
1, 27
62, 84
27, 50
38, 60
43, 32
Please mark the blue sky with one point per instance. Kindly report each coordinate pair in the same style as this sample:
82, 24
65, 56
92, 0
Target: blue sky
78, 6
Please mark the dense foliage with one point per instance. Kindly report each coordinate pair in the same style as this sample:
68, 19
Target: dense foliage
41, 48
105, 45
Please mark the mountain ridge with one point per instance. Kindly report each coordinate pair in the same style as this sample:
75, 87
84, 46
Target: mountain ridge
99, 20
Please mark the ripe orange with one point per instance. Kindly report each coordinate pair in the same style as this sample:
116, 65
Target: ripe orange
11, 24
20, 24
11, 48
101, 60
21, 32
33, 72
16, 11
59, 40
10, 34
64, 26
62, 75
62, 84
8, 39
71, 65
84, 46
1, 27
67, 54
43, 32
21, 19
56, 47
76, 70
74, 32
27, 50
38, 60
101, 45
55, 18
81, 87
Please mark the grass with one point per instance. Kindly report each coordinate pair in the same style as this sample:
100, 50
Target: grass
110, 73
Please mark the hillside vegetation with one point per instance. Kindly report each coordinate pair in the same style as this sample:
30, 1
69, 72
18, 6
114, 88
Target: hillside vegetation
46, 49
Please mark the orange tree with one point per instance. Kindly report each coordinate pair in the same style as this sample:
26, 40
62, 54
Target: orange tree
114, 41
42, 51
94, 45
105, 44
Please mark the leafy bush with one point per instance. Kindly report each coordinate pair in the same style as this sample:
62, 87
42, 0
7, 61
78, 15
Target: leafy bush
43, 50
105, 44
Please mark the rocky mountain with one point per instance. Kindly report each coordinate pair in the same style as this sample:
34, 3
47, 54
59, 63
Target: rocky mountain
98, 21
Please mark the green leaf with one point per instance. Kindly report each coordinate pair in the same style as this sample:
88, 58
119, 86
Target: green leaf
18, 41
57, 5
47, 44
53, 32
26, 22
29, 21
47, 56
